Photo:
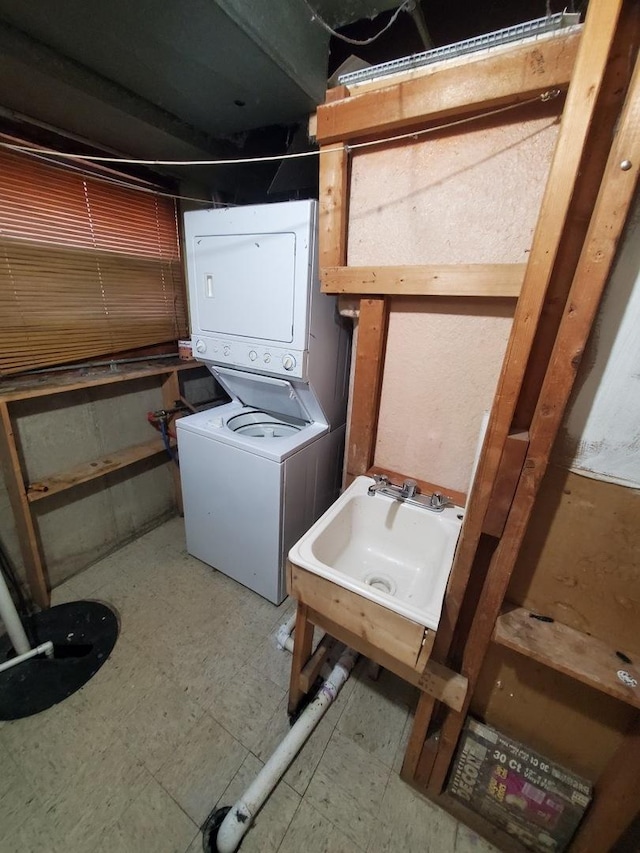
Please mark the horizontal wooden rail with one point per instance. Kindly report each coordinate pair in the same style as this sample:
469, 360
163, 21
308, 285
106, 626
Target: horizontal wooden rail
93, 470
501, 280
571, 652
44, 385
497, 81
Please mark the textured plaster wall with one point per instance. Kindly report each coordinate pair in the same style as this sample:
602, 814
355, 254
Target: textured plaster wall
467, 197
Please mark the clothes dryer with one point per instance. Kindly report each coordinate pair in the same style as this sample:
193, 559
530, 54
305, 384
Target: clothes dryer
258, 471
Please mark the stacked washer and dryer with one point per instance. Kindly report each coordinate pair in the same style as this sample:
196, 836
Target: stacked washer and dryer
258, 471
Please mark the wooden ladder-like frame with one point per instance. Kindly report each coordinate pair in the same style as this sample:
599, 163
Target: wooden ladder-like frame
591, 184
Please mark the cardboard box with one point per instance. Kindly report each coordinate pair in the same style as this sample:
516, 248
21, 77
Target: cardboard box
532, 798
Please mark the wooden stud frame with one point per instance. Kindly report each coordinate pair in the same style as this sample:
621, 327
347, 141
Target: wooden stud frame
550, 322
505, 80
482, 280
598, 248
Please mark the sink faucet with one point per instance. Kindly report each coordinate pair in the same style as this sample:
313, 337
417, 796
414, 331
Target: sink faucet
408, 489
409, 492
381, 482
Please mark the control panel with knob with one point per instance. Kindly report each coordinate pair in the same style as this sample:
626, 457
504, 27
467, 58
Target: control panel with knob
252, 356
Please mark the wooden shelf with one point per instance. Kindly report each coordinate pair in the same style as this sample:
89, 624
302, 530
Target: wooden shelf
22, 496
566, 650
43, 385
93, 470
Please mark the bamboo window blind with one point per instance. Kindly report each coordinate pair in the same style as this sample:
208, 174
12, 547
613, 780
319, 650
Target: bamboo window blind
87, 268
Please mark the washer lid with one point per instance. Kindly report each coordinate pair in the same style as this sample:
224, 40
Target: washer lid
267, 393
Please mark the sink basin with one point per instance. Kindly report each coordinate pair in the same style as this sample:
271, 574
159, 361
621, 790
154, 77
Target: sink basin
391, 552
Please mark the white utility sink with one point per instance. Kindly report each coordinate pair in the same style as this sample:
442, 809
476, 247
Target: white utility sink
389, 551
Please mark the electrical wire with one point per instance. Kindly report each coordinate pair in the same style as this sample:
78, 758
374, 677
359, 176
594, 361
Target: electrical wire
361, 42
545, 96
46, 154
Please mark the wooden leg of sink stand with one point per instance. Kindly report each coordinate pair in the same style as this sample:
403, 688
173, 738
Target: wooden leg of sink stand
302, 642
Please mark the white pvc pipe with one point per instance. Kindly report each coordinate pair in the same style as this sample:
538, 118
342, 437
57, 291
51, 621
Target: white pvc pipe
243, 812
284, 640
42, 649
11, 619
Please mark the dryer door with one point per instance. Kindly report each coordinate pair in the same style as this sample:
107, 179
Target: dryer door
245, 285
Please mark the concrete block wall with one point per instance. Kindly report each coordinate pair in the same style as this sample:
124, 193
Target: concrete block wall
79, 526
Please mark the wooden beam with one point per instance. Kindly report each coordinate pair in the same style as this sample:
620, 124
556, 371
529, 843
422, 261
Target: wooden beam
333, 210
88, 471
566, 650
311, 669
497, 81
596, 259
448, 686
483, 280
367, 383
303, 639
551, 230
504, 488
614, 88
615, 803
171, 396
418, 745
381, 627
23, 388
27, 534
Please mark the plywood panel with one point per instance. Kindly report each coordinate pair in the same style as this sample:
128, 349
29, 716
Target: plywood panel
441, 368
556, 715
470, 197
580, 560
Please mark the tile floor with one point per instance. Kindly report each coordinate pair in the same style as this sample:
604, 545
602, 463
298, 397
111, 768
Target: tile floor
181, 717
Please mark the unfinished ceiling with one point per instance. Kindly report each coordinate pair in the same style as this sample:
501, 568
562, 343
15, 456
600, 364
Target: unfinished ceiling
189, 79
165, 78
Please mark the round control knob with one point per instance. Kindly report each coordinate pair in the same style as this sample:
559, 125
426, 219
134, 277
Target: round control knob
226, 350
266, 358
253, 355
201, 346
288, 362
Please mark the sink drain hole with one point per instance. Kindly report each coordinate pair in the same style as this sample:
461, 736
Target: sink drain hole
384, 584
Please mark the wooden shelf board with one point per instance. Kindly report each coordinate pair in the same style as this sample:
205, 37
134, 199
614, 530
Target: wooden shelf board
21, 388
93, 470
566, 650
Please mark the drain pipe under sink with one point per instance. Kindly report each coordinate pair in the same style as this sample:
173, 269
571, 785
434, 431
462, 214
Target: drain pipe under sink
284, 640
242, 814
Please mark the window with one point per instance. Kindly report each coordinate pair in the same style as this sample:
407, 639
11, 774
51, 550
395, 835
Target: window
87, 267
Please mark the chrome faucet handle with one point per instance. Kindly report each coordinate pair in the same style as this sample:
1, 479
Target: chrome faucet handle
439, 501
380, 481
409, 488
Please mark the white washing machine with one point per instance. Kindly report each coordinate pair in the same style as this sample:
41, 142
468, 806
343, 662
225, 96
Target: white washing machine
258, 471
